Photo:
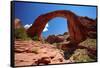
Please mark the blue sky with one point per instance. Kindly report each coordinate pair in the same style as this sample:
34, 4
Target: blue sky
28, 12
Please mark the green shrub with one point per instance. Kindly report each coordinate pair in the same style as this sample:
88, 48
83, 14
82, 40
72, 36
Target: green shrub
20, 33
89, 43
81, 55
35, 37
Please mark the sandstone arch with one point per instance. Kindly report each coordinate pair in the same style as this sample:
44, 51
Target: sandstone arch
77, 28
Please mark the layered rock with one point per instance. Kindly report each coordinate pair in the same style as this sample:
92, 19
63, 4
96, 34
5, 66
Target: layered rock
58, 38
36, 53
54, 39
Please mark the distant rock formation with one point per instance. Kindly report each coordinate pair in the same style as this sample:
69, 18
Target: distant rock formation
17, 23
57, 38
78, 26
54, 39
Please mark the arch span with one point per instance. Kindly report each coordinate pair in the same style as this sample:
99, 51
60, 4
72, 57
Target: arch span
77, 30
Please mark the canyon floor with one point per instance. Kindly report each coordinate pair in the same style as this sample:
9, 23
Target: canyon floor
38, 53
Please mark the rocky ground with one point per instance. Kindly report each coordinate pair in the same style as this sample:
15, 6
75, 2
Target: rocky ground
55, 49
37, 53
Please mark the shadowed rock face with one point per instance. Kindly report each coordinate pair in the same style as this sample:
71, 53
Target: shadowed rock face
78, 26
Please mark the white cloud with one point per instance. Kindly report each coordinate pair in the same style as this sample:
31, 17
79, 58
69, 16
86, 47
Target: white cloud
27, 26
46, 28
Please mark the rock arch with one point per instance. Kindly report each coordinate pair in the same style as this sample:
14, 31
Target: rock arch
77, 29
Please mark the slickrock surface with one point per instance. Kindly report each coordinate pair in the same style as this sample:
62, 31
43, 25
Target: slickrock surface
36, 53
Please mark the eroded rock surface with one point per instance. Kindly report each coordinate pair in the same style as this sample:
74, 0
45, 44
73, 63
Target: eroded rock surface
36, 53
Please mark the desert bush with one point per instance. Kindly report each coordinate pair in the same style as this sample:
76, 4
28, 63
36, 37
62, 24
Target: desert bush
35, 38
90, 43
81, 55
20, 33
